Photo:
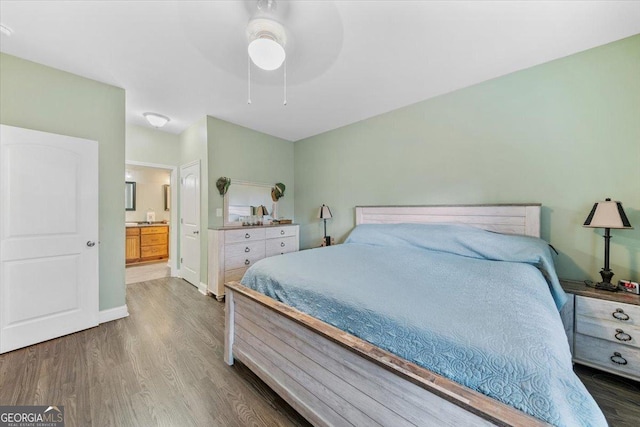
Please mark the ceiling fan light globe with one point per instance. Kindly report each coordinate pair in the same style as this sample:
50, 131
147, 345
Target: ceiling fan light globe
266, 53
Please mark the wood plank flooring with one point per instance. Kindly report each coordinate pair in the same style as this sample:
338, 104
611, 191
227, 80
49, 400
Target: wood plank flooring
162, 366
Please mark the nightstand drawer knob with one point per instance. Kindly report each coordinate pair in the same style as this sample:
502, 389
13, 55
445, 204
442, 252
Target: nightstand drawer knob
620, 314
247, 236
282, 244
622, 336
247, 262
247, 249
282, 232
618, 359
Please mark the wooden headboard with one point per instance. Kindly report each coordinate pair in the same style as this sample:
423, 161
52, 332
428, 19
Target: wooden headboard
508, 219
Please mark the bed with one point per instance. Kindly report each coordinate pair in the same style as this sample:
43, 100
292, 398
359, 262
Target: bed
333, 377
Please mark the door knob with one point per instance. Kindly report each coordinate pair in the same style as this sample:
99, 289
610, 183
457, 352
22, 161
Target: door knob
91, 244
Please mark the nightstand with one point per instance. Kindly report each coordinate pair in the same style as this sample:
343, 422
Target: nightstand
606, 329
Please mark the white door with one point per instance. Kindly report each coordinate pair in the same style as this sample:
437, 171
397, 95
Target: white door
190, 223
48, 236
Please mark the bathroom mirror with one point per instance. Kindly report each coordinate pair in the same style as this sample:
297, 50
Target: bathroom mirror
167, 196
129, 196
241, 197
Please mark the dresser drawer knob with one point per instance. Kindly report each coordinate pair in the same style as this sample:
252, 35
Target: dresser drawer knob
247, 249
247, 262
247, 236
618, 359
622, 336
620, 314
282, 232
282, 244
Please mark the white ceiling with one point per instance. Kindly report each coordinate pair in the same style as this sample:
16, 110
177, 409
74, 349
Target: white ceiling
347, 60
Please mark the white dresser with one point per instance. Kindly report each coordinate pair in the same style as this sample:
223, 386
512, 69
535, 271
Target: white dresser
233, 250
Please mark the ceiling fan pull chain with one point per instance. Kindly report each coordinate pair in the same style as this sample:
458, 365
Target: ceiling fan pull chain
248, 79
285, 81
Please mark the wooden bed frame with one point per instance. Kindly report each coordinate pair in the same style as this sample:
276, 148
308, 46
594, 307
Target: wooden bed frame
334, 378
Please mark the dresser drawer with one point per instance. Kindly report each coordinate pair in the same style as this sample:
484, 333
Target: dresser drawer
244, 249
153, 230
242, 261
619, 313
273, 232
248, 235
610, 330
153, 239
281, 246
605, 354
155, 250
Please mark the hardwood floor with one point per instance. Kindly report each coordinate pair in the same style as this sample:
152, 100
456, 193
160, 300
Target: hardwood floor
136, 273
162, 366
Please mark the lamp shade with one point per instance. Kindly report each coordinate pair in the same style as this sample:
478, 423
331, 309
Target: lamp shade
607, 214
324, 212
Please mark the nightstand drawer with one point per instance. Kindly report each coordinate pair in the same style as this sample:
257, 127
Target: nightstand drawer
248, 235
619, 313
244, 249
281, 246
609, 356
612, 331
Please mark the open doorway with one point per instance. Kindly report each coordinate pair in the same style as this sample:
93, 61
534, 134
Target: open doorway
150, 222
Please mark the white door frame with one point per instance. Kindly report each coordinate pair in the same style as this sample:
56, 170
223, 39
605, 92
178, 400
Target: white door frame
173, 261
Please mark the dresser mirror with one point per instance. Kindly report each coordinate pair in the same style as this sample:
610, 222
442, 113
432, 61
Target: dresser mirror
242, 198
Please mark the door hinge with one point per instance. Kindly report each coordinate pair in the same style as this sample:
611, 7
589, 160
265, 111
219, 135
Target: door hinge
181, 220
181, 260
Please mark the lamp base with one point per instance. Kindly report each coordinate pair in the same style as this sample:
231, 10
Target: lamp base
606, 284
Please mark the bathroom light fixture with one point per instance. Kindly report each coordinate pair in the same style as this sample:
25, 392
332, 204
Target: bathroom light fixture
5, 30
156, 120
607, 214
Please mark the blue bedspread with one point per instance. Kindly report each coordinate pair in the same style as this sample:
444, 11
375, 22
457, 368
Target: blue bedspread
477, 307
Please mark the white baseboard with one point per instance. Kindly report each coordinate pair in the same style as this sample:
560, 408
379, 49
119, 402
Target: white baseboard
175, 272
202, 287
113, 314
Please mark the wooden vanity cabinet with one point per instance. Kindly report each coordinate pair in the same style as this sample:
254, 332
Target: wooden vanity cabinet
132, 249
147, 243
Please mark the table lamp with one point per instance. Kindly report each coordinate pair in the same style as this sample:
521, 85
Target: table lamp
325, 213
607, 214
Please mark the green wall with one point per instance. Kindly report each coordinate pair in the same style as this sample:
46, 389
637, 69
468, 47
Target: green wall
246, 155
152, 146
36, 97
565, 134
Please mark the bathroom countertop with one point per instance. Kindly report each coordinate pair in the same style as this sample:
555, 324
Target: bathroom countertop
155, 224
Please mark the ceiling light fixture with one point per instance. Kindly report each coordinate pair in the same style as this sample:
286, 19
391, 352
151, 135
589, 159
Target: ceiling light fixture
267, 39
156, 120
5, 30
